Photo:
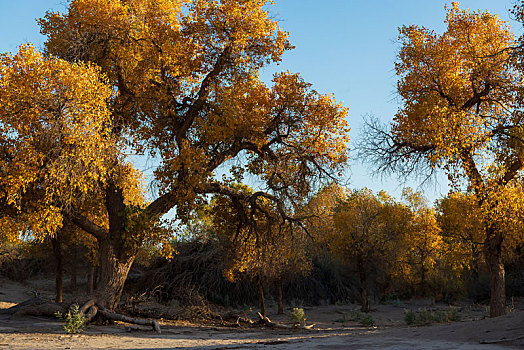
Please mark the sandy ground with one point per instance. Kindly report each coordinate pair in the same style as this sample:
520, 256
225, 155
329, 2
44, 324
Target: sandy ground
333, 330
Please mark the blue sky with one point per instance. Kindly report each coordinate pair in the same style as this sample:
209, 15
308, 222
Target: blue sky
344, 47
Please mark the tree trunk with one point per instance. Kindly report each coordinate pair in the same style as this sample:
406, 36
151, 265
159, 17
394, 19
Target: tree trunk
493, 253
59, 272
91, 280
115, 255
261, 297
423, 287
96, 275
278, 287
74, 262
362, 273
113, 274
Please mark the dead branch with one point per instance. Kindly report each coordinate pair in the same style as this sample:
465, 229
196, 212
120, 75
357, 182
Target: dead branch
36, 307
118, 317
272, 324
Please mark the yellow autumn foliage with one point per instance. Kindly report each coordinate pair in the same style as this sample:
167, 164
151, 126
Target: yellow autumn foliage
54, 139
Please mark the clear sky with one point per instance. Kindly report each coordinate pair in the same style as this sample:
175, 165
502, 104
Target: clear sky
344, 47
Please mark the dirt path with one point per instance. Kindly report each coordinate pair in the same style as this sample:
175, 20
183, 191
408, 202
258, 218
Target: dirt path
41, 333
334, 330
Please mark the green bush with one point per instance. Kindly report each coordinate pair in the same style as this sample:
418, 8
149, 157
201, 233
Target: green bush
453, 315
410, 317
74, 320
425, 317
364, 319
298, 316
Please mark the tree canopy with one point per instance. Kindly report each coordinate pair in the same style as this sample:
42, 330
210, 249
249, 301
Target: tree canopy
175, 80
461, 112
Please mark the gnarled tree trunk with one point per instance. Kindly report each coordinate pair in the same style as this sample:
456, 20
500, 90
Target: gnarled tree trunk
497, 279
114, 268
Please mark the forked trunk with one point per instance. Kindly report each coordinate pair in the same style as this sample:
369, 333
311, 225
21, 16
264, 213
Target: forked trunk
115, 256
497, 279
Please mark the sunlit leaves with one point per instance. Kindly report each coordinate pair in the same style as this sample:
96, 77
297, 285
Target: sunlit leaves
54, 136
458, 88
187, 89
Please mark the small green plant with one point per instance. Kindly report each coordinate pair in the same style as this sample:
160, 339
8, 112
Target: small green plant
410, 317
425, 317
74, 320
354, 315
453, 315
298, 316
364, 319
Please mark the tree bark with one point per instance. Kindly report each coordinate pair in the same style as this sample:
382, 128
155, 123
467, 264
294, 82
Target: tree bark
261, 297
423, 270
91, 280
278, 287
59, 272
117, 317
362, 274
115, 256
114, 268
497, 279
74, 262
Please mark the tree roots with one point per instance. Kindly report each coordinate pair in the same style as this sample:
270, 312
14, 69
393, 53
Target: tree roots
42, 307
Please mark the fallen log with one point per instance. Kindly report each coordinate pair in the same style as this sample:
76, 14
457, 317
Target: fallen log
118, 317
41, 307
34, 307
272, 324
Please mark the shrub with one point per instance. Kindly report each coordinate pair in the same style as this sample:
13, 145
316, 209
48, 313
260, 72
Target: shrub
364, 319
298, 316
425, 317
74, 320
410, 317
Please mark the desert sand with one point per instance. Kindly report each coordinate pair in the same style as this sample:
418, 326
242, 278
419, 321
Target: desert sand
332, 330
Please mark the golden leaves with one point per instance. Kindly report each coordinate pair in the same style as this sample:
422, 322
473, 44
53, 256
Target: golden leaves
461, 94
54, 134
456, 86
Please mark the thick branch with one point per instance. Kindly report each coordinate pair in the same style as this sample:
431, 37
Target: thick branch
87, 225
511, 172
202, 95
162, 204
477, 97
472, 172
